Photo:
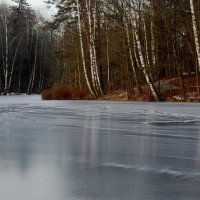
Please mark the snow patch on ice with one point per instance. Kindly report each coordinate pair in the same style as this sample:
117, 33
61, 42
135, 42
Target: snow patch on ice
164, 171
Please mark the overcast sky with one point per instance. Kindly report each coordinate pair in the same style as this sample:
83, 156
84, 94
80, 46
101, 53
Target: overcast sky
42, 8
38, 5
33, 3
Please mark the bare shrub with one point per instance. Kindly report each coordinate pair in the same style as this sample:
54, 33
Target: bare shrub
65, 93
46, 94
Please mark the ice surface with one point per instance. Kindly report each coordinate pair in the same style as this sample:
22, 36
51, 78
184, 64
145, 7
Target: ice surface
98, 150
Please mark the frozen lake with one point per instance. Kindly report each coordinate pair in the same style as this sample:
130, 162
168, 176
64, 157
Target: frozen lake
98, 150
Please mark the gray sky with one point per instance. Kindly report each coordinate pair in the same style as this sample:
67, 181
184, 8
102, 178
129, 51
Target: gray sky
41, 7
33, 3
37, 5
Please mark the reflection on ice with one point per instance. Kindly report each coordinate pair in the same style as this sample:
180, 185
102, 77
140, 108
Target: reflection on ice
85, 150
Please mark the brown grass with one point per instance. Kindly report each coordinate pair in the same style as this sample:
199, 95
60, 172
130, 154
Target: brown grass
190, 88
65, 93
189, 80
143, 97
118, 95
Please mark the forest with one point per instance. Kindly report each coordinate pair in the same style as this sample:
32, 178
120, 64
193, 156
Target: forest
137, 46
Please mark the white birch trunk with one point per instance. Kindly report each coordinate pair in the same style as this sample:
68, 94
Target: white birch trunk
94, 47
142, 60
6, 71
153, 52
13, 63
153, 45
147, 58
90, 45
194, 26
131, 56
82, 50
146, 43
135, 45
92, 50
3, 57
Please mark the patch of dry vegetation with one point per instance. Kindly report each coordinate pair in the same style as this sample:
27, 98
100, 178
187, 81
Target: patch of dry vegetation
173, 90
119, 95
65, 93
170, 91
142, 97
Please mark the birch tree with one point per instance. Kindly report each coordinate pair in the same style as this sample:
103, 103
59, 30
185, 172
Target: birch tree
4, 15
142, 56
194, 26
197, 44
139, 90
82, 48
92, 17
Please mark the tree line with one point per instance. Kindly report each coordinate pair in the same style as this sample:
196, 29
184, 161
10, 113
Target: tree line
25, 49
103, 45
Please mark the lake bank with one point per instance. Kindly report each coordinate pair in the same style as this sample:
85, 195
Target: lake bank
169, 90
